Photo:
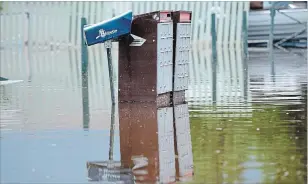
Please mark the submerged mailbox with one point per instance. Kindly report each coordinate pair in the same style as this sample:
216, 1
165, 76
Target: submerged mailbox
153, 115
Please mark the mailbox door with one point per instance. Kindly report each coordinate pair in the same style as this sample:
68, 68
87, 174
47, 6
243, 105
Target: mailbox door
164, 57
182, 49
183, 137
167, 170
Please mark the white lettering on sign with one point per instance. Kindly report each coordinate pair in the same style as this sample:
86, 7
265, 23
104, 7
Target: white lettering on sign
102, 33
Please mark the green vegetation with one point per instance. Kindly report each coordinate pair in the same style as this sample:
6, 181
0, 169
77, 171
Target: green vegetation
228, 150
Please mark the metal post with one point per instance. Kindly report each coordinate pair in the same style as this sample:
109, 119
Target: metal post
108, 46
271, 35
27, 41
27, 44
214, 57
245, 50
76, 24
84, 75
70, 25
271, 40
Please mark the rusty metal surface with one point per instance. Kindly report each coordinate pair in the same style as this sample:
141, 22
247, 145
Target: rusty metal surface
178, 97
146, 117
141, 134
140, 101
164, 100
138, 72
176, 15
138, 135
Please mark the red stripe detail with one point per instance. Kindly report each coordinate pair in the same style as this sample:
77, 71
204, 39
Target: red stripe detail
184, 17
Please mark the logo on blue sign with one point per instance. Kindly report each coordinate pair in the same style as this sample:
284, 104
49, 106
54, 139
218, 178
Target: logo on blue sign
102, 33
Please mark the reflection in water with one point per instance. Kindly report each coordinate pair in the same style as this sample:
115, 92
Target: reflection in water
147, 145
258, 138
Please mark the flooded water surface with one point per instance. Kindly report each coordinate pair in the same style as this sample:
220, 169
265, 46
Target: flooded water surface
254, 132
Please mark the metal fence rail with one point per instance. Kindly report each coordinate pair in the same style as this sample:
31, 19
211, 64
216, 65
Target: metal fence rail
56, 24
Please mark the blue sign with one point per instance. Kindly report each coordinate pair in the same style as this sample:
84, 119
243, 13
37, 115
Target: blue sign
109, 29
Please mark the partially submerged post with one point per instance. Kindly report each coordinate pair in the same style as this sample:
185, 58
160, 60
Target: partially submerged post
108, 46
84, 79
245, 54
271, 41
214, 58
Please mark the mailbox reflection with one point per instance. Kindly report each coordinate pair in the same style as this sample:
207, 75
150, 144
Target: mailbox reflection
155, 146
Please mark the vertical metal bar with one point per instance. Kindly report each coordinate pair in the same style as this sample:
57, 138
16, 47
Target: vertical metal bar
245, 50
208, 23
77, 20
226, 58
221, 23
195, 21
27, 40
84, 73
239, 16
27, 43
112, 132
108, 46
110, 68
70, 23
270, 43
214, 57
232, 23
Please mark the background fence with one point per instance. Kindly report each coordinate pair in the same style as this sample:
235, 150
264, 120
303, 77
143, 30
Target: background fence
57, 24
51, 62
52, 75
